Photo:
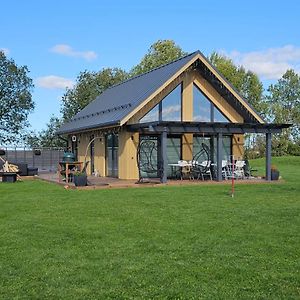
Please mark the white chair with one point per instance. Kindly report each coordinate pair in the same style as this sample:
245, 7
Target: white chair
185, 169
182, 163
225, 170
239, 169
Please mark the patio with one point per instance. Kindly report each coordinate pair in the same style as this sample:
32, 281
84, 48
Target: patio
163, 130
109, 182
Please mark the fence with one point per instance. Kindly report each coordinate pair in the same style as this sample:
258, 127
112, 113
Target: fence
46, 160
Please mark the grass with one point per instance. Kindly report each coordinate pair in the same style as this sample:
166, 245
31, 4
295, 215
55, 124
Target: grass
152, 243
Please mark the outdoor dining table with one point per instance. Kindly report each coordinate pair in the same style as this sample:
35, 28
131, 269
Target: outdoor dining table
176, 166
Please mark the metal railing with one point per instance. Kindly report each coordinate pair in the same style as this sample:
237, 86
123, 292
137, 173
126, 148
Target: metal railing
45, 159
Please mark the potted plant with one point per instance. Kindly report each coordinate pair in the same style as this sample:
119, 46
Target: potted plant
80, 179
274, 173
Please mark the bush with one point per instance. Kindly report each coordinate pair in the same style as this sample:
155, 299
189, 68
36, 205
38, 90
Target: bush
293, 149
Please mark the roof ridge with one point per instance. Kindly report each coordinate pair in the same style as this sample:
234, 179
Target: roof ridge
159, 67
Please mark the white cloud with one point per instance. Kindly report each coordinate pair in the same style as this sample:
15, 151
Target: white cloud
270, 63
67, 50
5, 50
54, 82
171, 110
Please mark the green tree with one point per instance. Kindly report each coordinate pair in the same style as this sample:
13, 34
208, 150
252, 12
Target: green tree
88, 86
15, 99
159, 53
246, 82
284, 106
46, 137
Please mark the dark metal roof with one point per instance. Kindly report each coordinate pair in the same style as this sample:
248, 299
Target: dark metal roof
118, 101
115, 103
177, 127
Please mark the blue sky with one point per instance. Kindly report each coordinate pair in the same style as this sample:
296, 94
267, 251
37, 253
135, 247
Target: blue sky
58, 39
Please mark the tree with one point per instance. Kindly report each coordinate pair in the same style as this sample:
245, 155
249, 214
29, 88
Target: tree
284, 106
89, 85
246, 82
46, 137
15, 99
159, 53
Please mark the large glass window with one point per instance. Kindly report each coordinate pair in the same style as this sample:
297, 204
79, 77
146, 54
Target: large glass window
151, 116
203, 108
150, 152
169, 109
173, 152
171, 105
219, 117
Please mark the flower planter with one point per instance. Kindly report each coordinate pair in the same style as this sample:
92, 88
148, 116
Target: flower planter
80, 180
274, 174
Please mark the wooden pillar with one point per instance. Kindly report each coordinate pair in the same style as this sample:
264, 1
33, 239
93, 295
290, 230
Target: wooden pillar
187, 115
187, 146
99, 159
238, 146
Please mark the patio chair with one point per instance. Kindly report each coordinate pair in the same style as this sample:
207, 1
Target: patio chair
184, 169
239, 169
147, 162
226, 173
201, 169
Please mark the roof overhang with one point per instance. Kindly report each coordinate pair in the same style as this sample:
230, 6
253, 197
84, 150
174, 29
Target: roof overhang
206, 127
103, 127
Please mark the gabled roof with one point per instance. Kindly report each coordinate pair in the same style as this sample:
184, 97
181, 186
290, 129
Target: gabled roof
114, 106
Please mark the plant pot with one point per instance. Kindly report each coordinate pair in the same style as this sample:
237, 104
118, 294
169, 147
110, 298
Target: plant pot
274, 174
80, 180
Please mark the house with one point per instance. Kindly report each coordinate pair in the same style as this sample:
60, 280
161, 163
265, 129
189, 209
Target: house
177, 111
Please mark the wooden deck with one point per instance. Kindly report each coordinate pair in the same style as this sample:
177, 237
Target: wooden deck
109, 182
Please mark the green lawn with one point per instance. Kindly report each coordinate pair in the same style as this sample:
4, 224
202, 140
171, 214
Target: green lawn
165, 242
